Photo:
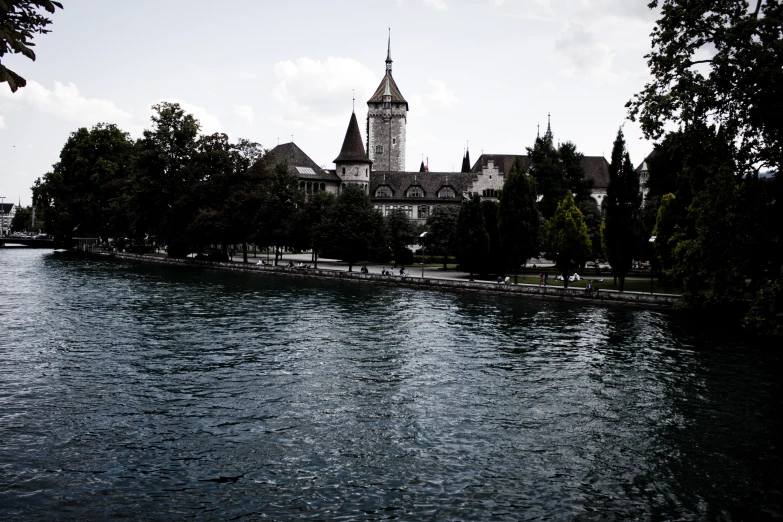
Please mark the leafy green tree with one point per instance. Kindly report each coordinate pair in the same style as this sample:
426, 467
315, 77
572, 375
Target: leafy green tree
20, 21
549, 174
568, 244
442, 227
316, 208
83, 194
622, 201
473, 245
164, 199
350, 227
495, 259
574, 172
22, 219
277, 219
718, 61
591, 213
664, 231
401, 233
518, 218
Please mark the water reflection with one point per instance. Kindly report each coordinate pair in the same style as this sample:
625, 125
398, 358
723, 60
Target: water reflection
148, 392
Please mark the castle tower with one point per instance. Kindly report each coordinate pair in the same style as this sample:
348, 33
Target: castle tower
352, 165
387, 116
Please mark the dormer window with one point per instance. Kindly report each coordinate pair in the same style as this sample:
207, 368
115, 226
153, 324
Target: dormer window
384, 191
415, 192
446, 192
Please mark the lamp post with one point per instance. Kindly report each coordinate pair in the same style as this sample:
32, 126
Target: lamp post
423, 237
652, 240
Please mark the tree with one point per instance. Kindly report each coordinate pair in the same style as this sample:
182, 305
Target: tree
494, 260
401, 233
574, 172
472, 235
549, 174
22, 219
664, 231
164, 181
282, 202
316, 208
518, 218
566, 236
20, 21
738, 86
442, 227
350, 226
622, 201
591, 213
82, 195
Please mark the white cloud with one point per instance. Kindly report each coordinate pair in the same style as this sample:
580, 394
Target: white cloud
316, 95
438, 5
583, 49
439, 97
245, 112
65, 102
210, 123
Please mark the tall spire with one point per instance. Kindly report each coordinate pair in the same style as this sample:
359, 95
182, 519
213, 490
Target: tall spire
388, 55
548, 126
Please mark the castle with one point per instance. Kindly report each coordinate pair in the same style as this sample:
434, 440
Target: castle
379, 169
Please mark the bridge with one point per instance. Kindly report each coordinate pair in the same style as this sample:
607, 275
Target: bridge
31, 243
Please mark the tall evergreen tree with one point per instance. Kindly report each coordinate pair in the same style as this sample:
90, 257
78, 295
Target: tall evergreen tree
350, 227
549, 173
473, 237
568, 244
518, 218
622, 201
401, 233
494, 261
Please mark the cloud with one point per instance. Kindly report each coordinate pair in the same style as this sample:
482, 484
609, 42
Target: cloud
2, 122
439, 97
65, 102
584, 50
210, 123
438, 5
316, 95
247, 75
245, 112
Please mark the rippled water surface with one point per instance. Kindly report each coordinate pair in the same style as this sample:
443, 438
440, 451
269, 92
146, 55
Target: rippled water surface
145, 392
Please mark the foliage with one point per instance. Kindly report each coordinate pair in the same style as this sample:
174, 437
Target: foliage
664, 232
574, 172
518, 218
765, 316
20, 21
316, 207
568, 244
442, 238
401, 233
591, 213
22, 219
494, 260
83, 194
548, 173
622, 201
718, 62
473, 245
350, 227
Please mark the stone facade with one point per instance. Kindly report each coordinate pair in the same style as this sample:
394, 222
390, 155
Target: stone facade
355, 173
387, 135
488, 182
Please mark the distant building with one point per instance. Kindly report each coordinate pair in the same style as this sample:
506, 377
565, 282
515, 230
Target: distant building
379, 170
7, 213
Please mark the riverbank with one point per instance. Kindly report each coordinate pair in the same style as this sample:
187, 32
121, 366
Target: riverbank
609, 297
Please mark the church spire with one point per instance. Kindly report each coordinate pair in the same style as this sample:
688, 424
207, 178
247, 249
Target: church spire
388, 55
548, 127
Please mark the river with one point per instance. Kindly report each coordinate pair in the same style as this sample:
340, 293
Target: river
148, 392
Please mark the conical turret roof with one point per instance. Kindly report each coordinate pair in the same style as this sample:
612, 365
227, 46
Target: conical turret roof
353, 148
388, 85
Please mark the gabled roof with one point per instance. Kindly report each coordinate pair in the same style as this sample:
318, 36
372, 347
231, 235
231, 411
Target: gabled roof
430, 182
596, 167
396, 95
299, 164
6, 208
353, 148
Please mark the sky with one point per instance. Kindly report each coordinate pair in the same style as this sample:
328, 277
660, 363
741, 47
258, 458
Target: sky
478, 73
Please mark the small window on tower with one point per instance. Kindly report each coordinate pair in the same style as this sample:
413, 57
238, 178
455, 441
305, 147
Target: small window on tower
394, 141
387, 105
379, 149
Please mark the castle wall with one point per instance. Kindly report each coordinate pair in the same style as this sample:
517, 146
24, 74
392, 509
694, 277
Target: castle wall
488, 183
388, 131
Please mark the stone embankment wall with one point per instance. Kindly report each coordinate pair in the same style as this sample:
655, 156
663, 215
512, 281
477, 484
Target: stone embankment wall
638, 299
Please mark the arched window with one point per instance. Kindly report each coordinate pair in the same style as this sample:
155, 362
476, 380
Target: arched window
383, 192
446, 192
415, 192
424, 212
